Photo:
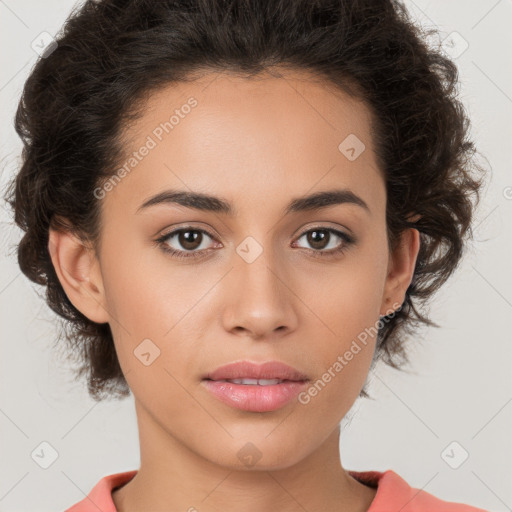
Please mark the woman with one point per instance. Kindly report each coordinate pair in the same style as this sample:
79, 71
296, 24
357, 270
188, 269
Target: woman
239, 207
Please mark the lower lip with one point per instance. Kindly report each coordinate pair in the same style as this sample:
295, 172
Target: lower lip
255, 398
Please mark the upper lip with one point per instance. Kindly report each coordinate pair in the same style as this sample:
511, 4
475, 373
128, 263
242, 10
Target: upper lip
249, 370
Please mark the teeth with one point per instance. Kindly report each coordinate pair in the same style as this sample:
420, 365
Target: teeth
254, 382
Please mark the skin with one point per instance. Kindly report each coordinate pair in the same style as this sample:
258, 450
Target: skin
258, 144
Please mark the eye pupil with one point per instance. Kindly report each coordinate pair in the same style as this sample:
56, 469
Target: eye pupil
190, 242
317, 238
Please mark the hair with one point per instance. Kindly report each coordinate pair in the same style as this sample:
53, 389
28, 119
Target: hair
112, 54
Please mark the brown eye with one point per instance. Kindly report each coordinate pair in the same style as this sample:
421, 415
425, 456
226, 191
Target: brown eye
319, 240
185, 242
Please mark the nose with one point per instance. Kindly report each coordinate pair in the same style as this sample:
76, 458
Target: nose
260, 302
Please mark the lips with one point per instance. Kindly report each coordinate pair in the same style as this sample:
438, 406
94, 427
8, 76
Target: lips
256, 374
255, 387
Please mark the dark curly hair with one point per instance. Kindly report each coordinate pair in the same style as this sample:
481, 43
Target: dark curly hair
112, 54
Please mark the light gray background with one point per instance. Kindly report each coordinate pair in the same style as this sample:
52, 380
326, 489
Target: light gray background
461, 388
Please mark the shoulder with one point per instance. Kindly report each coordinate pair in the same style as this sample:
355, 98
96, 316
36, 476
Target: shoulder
393, 491
100, 496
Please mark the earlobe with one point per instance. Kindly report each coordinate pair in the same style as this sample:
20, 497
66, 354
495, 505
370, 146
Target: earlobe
400, 270
78, 271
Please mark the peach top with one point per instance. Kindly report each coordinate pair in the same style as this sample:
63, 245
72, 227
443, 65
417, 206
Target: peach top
393, 494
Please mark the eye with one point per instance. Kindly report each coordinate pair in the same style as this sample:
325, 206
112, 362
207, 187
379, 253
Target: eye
189, 240
320, 238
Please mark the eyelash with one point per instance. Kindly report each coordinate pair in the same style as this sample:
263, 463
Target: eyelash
348, 240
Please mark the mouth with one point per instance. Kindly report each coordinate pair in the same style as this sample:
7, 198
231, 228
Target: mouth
255, 388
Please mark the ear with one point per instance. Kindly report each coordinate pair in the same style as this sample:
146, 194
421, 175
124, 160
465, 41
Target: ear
400, 270
79, 274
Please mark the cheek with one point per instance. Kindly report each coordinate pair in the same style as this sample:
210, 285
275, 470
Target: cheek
348, 305
150, 299
348, 297
343, 359
138, 301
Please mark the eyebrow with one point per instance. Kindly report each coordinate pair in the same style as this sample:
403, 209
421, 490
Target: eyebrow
205, 202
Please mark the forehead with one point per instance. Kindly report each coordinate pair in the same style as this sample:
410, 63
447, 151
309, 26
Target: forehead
249, 137
224, 102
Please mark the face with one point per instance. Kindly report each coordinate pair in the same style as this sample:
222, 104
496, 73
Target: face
257, 283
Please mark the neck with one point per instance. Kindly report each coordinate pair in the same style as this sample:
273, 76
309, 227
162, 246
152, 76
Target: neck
173, 477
